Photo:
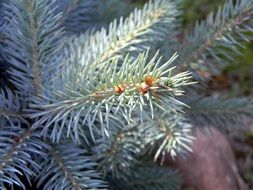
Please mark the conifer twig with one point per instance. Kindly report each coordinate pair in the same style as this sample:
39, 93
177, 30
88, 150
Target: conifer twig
215, 41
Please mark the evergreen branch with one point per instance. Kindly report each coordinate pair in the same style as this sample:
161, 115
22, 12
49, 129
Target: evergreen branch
69, 169
65, 170
17, 147
137, 84
134, 34
224, 113
149, 178
117, 154
170, 132
136, 29
33, 50
215, 41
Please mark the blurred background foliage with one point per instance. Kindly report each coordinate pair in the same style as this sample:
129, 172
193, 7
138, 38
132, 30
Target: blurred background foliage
237, 78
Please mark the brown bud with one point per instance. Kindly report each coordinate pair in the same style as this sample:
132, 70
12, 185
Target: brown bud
149, 80
144, 88
119, 89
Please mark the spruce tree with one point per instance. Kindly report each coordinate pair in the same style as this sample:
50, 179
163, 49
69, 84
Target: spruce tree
90, 105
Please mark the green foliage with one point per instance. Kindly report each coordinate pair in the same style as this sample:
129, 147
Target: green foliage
87, 105
198, 9
242, 72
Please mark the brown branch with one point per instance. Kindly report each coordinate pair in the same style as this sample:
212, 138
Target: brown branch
35, 50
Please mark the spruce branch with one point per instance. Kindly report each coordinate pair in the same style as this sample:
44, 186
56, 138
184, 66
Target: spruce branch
167, 133
17, 148
134, 34
222, 113
118, 153
136, 84
32, 50
136, 29
215, 41
70, 168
